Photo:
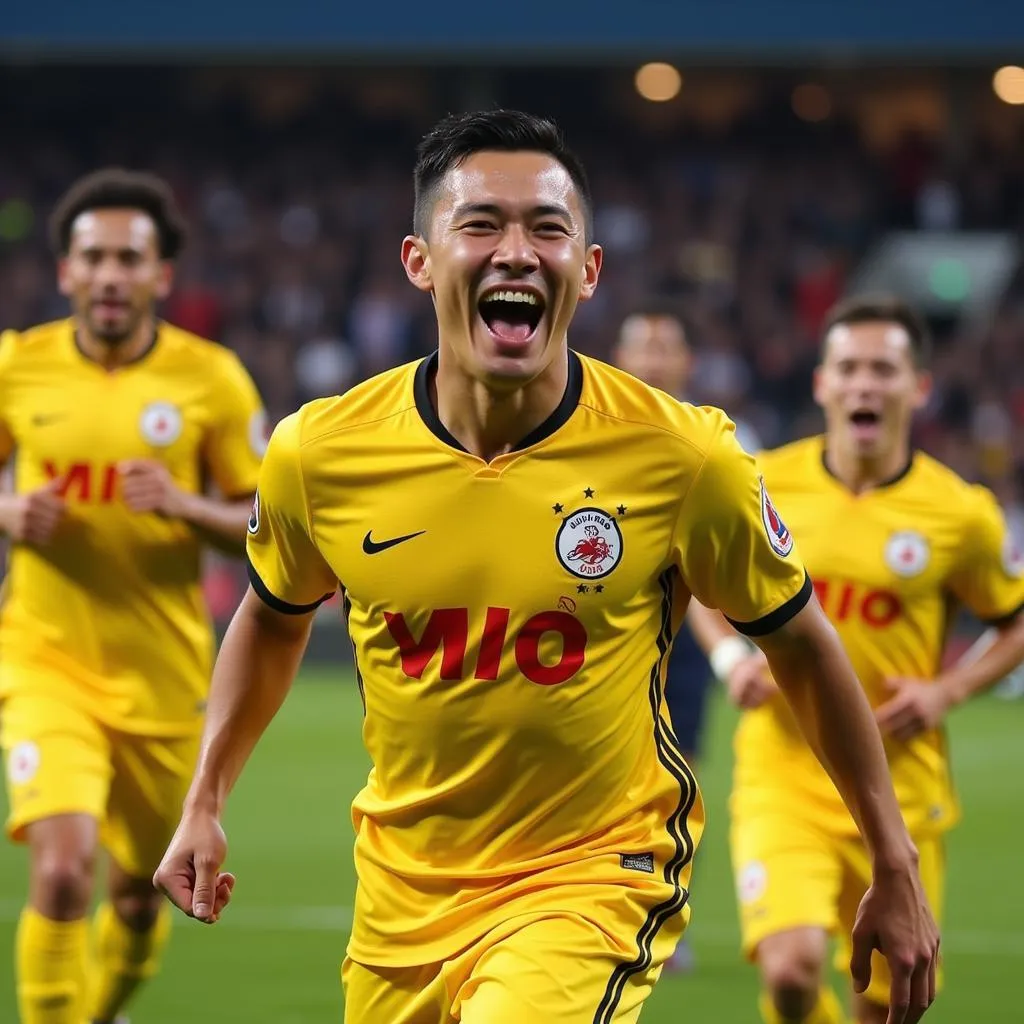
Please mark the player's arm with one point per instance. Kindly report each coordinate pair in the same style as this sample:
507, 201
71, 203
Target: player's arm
33, 516
255, 668
736, 663
989, 580
231, 454
737, 556
147, 486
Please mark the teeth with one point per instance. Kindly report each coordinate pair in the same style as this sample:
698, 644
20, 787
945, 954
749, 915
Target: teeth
510, 296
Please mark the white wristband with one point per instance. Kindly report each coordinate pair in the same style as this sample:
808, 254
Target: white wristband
726, 655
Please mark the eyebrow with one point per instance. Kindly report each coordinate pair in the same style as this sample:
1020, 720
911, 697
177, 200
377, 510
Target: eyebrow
494, 210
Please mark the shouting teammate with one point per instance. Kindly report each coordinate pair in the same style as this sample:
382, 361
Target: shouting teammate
523, 844
895, 541
116, 421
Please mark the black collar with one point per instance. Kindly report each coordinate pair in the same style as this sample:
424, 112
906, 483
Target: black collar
884, 483
427, 369
145, 353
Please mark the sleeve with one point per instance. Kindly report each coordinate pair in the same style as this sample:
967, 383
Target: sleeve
238, 434
285, 567
989, 575
731, 545
8, 340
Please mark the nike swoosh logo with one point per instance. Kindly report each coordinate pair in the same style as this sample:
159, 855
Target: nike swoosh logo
372, 547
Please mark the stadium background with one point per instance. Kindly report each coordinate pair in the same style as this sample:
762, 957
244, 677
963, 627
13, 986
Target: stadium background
788, 154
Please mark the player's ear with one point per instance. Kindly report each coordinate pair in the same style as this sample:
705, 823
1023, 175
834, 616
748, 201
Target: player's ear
924, 388
64, 284
416, 260
164, 280
591, 272
818, 386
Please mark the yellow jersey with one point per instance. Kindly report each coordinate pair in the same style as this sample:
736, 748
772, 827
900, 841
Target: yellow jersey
510, 623
890, 567
110, 614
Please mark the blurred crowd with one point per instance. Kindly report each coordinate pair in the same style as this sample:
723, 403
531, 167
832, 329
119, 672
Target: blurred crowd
299, 193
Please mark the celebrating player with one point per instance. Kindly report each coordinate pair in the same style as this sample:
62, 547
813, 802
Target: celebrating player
895, 541
653, 346
523, 844
117, 421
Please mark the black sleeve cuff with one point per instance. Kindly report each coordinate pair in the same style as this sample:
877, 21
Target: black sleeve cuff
1005, 620
276, 603
780, 616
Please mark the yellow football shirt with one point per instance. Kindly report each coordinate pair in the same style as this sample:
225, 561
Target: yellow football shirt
510, 623
890, 567
111, 614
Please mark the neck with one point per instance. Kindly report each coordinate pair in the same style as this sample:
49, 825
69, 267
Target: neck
112, 356
863, 474
489, 423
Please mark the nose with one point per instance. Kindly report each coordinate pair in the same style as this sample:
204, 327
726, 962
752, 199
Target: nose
109, 274
515, 252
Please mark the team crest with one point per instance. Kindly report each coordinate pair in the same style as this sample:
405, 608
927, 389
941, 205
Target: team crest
23, 762
907, 553
752, 882
589, 543
1013, 558
259, 433
161, 423
779, 536
254, 515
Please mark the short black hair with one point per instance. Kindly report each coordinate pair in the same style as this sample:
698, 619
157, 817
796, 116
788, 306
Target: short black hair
887, 309
114, 188
458, 136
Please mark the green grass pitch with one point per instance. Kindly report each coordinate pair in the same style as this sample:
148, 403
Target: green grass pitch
274, 958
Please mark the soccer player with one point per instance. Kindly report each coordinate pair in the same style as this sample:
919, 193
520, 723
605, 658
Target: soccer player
116, 421
895, 542
516, 531
652, 345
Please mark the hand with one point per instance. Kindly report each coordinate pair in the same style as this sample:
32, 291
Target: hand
189, 874
895, 919
147, 486
750, 682
33, 517
916, 706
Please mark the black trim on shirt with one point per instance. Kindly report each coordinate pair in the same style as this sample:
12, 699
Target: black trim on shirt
145, 353
1005, 620
877, 487
275, 602
427, 369
777, 619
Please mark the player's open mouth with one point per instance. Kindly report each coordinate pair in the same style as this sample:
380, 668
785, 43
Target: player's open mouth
865, 423
512, 315
865, 418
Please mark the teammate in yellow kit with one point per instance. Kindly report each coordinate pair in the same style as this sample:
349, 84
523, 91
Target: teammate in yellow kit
115, 421
516, 531
894, 541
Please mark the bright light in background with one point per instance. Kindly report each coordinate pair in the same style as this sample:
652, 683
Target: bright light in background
658, 82
1008, 84
811, 102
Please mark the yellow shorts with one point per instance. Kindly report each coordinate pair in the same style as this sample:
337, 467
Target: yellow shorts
534, 968
60, 760
790, 874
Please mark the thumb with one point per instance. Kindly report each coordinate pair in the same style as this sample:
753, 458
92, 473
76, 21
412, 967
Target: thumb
54, 485
860, 961
203, 891
893, 683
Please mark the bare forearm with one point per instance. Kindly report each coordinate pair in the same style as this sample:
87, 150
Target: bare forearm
220, 523
811, 668
709, 626
255, 669
8, 506
969, 677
